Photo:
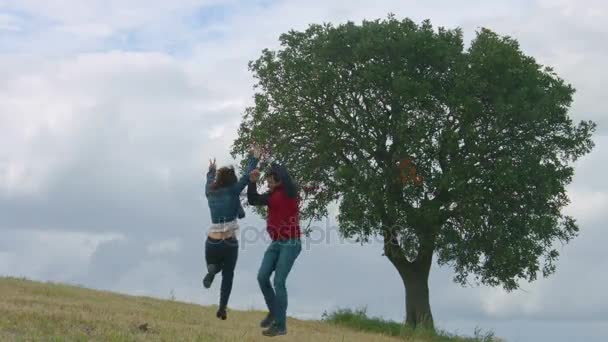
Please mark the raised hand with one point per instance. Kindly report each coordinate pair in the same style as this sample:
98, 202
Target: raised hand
259, 151
254, 176
212, 164
256, 150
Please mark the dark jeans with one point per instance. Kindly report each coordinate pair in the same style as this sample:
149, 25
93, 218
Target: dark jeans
224, 254
279, 258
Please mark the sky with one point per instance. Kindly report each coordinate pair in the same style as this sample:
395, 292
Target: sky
109, 111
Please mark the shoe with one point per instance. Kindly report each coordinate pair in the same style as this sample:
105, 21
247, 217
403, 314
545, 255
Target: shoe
267, 322
274, 331
212, 271
221, 314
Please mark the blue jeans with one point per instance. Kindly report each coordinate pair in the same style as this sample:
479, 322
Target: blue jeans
279, 258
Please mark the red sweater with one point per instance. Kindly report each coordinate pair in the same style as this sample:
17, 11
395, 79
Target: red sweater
283, 222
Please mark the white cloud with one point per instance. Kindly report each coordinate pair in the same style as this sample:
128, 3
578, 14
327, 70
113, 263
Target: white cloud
9, 23
589, 205
103, 16
165, 246
48, 114
48, 255
217, 131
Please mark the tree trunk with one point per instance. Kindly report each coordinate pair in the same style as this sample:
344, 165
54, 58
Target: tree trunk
415, 277
414, 274
417, 304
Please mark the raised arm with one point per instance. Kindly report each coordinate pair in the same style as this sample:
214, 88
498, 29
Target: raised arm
252, 191
210, 176
252, 163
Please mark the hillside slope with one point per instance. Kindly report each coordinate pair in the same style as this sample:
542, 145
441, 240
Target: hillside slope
42, 312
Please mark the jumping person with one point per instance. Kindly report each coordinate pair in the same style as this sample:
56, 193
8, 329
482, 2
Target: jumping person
284, 230
221, 248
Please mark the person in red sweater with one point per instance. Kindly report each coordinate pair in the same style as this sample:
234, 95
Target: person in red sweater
283, 226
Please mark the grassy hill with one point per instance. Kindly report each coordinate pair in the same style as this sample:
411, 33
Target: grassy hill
33, 311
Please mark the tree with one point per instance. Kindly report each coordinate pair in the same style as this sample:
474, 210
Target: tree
351, 108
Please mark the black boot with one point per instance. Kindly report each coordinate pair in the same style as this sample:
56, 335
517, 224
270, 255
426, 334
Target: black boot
274, 330
221, 314
267, 322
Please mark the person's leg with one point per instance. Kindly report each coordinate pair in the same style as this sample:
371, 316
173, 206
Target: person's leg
213, 257
289, 251
266, 268
231, 252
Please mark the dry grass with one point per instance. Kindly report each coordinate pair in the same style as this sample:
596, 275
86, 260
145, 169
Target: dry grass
32, 311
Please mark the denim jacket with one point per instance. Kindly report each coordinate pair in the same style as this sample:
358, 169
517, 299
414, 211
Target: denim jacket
224, 203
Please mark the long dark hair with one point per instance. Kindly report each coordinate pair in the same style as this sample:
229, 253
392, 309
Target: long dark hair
225, 177
280, 174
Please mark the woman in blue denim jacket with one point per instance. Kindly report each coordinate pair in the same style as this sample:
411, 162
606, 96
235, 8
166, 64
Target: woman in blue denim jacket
223, 191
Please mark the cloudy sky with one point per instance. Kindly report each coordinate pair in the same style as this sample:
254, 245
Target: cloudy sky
110, 108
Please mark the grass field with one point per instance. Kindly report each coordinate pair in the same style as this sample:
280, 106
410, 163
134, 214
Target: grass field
34, 311
358, 320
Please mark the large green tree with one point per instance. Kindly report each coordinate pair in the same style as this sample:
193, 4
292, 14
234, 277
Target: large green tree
457, 153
